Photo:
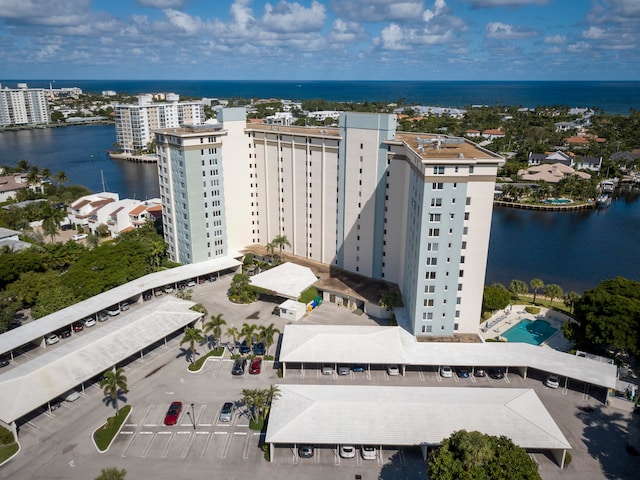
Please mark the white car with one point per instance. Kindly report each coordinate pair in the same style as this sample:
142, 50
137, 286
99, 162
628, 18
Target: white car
89, 322
71, 396
113, 311
347, 451
124, 306
52, 339
446, 372
79, 236
393, 370
327, 369
368, 453
552, 381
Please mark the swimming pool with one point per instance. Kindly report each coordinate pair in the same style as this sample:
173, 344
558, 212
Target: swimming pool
533, 332
556, 201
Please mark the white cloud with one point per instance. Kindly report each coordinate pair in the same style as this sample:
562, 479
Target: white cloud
578, 47
346, 32
378, 10
183, 21
393, 37
594, 33
293, 17
503, 31
505, 3
556, 40
161, 3
438, 8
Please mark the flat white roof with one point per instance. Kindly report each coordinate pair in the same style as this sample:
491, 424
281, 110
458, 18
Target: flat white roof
39, 328
389, 345
374, 415
81, 357
288, 280
293, 305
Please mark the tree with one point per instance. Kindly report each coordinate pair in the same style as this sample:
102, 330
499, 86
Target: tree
553, 291
191, 336
495, 297
271, 248
61, 178
215, 326
518, 287
474, 455
281, 241
233, 333
536, 284
570, 299
51, 220
93, 240
111, 473
113, 382
267, 334
248, 332
390, 299
157, 251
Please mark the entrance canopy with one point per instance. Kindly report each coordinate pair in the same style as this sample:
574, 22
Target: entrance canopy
287, 280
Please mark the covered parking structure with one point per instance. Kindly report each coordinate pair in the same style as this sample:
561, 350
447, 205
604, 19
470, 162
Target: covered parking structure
373, 345
35, 332
47, 376
288, 280
323, 415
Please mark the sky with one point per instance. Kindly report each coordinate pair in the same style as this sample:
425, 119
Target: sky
320, 39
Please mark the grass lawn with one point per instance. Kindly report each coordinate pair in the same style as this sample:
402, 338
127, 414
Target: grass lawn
104, 435
542, 301
197, 365
6, 451
257, 425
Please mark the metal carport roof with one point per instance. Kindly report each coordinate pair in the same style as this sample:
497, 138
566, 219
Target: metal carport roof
79, 358
385, 345
374, 415
37, 329
288, 280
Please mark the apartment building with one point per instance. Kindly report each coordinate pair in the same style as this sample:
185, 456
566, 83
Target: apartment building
135, 123
412, 209
23, 106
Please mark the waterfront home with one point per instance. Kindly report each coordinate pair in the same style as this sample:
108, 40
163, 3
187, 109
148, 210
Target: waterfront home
10, 184
549, 157
550, 173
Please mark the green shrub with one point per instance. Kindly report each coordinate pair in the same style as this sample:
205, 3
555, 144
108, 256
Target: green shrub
265, 450
308, 295
257, 424
197, 365
567, 460
268, 357
105, 435
6, 436
532, 310
279, 372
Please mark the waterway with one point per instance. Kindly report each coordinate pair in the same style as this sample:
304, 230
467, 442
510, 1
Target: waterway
576, 250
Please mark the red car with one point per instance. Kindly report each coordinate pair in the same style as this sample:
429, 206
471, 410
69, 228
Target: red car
171, 418
78, 326
256, 365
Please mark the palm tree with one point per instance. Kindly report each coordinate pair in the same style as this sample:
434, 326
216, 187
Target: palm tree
553, 291
111, 473
250, 398
536, 284
267, 335
61, 178
51, 221
191, 336
281, 241
215, 327
271, 248
33, 175
23, 166
45, 173
93, 240
272, 393
233, 333
157, 251
518, 287
114, 381
570, 299
248, 332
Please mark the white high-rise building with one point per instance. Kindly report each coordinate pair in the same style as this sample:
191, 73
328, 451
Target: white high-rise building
413, 209
135, 122
23, 106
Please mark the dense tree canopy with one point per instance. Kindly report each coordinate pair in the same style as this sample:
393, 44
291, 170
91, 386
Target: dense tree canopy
495, 298
608, 315
476, 456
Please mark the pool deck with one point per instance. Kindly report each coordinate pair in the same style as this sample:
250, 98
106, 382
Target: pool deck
503, 320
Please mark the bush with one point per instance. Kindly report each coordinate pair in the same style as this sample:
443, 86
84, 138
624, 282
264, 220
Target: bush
265, 450
308, 295
567, 460
257, 424
197, 365
104, 435
6, 436
532, 310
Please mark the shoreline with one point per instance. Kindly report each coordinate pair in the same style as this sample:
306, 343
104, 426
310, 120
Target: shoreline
548, 207
55, 125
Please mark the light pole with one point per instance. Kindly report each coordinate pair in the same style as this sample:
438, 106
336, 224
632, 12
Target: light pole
193, 416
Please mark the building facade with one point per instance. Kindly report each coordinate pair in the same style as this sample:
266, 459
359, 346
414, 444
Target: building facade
23, 106
135, 122
412, 209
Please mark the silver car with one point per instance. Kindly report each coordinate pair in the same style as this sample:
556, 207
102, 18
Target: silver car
226, 412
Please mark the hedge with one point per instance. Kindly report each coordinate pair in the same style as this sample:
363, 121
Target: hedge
105, 434
197, 365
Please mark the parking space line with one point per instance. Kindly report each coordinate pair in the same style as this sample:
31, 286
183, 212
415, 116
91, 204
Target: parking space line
421, 373
506, 379
403, 460
146, 415
205, 448
225, 449
146, 450
168, 446
32, 425
187, 446
128, 446
247, 444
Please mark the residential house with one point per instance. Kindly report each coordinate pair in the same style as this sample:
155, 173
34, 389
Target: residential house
593, 164
10, 184
549, 157
83, 211
550, 173
10, 239
492, 134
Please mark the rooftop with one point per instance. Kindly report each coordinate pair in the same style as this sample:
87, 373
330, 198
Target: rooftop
444, 147
320, 131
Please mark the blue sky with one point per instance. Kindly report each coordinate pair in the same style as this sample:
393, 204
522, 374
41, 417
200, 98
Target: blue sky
320, 39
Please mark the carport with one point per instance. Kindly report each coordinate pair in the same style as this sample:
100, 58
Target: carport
288, 280
47, 376
333, 415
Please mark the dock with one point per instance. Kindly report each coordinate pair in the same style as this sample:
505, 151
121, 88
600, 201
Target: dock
545, 207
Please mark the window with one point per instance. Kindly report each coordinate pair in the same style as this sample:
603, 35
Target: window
429, 289
434, 232
438, 170
464, 245
466, 215
430, 275
432, 247
428, 302
428, 328
434, 217
462, 259
468, 201
461, 273
436, 202
432, 260
471, 169
465, 230
437, 186
458, 300
459, 287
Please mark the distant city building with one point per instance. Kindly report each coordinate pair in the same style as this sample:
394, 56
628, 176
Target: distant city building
280, 118
412, 209
424, 111
109, 93
135, 122
23, 106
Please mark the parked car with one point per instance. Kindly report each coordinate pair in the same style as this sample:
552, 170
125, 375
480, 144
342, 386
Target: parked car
463, 372
305, 451
168, 288
54, 405
124, 306
4, 361
446, 371
171, 418
496, 373
260, 348
191, 283
244, 348
113, 310
239, 366
479, 372
552, 381
103, 316
344, 369
255, 366
368, 453
89, 322
77, 326
64, 333
327, 369
358, 368
347, 451
157, 292
226, 412
71, 396
393, 370
52, 339
79, 236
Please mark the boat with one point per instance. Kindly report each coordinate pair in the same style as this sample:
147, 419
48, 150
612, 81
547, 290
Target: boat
607, 186
603, 201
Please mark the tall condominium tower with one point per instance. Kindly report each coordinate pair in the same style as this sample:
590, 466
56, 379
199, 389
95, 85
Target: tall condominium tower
23, 106
413, 209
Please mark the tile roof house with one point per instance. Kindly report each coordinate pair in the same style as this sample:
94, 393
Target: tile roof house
550, 173
493, 133
85, 209
10, 184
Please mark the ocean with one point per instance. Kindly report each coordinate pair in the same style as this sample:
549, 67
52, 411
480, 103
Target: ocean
611, 97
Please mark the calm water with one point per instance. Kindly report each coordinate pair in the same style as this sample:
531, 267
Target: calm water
612, 97
574, 249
